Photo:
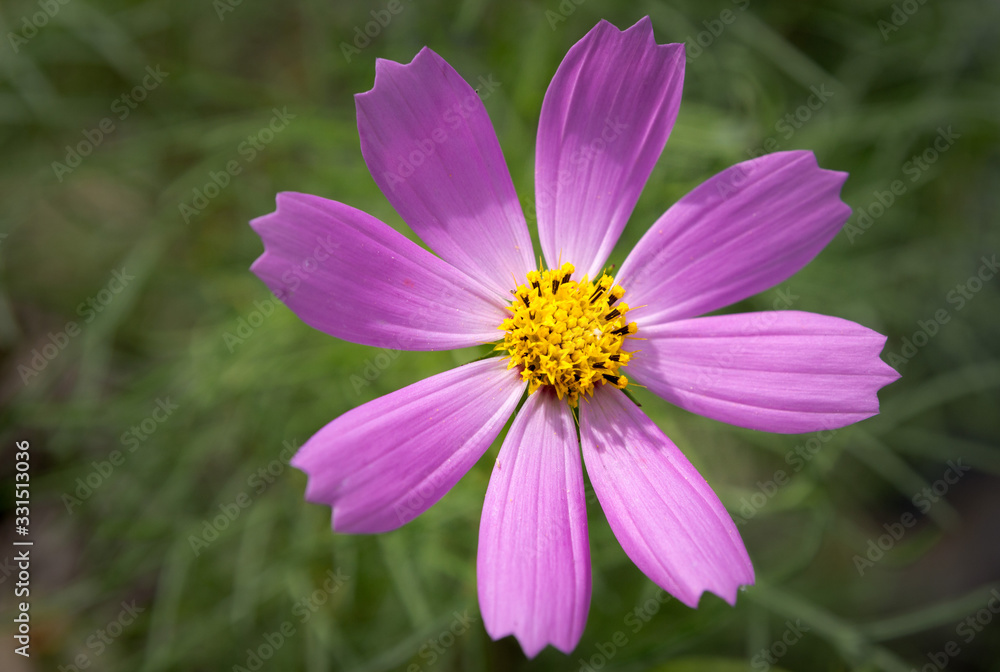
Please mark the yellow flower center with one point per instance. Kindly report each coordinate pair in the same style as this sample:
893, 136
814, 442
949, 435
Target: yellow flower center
567, 334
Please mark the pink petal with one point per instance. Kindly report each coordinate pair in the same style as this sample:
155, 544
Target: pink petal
431, 148
742, 231
348, 274
777, 371
604, 122
534, 562
384, 463
666, 517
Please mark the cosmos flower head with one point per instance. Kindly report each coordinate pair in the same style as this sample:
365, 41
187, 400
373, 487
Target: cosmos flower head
567, 334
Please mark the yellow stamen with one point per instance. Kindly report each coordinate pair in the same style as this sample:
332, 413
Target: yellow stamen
568, 334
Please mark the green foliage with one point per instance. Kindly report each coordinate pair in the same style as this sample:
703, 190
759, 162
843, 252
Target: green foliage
185, 331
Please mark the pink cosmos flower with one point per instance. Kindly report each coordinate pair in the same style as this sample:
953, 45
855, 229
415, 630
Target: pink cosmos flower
565, 332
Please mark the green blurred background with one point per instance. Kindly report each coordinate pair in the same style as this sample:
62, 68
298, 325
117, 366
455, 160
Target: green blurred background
181, 363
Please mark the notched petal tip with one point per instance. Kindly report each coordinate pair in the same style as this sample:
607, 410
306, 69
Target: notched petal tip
644, 26
260, 223
891, 375
354, 277
531, 646
618, 90
313, 494
742, 231
382, 464
662, 511
797, 373
839, 175
257, 267
263, 226
533, 561
805, 159
727, 589
727, 594
455, 192
888, 373
283, 200
386, 68
876, 346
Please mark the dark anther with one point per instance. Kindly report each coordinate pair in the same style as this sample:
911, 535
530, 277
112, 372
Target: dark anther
612, 315
534, 283
524, 298
611, 379
620, 331
555, 286
598, 365
566, 279
614, 358
597, 293
612, 300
